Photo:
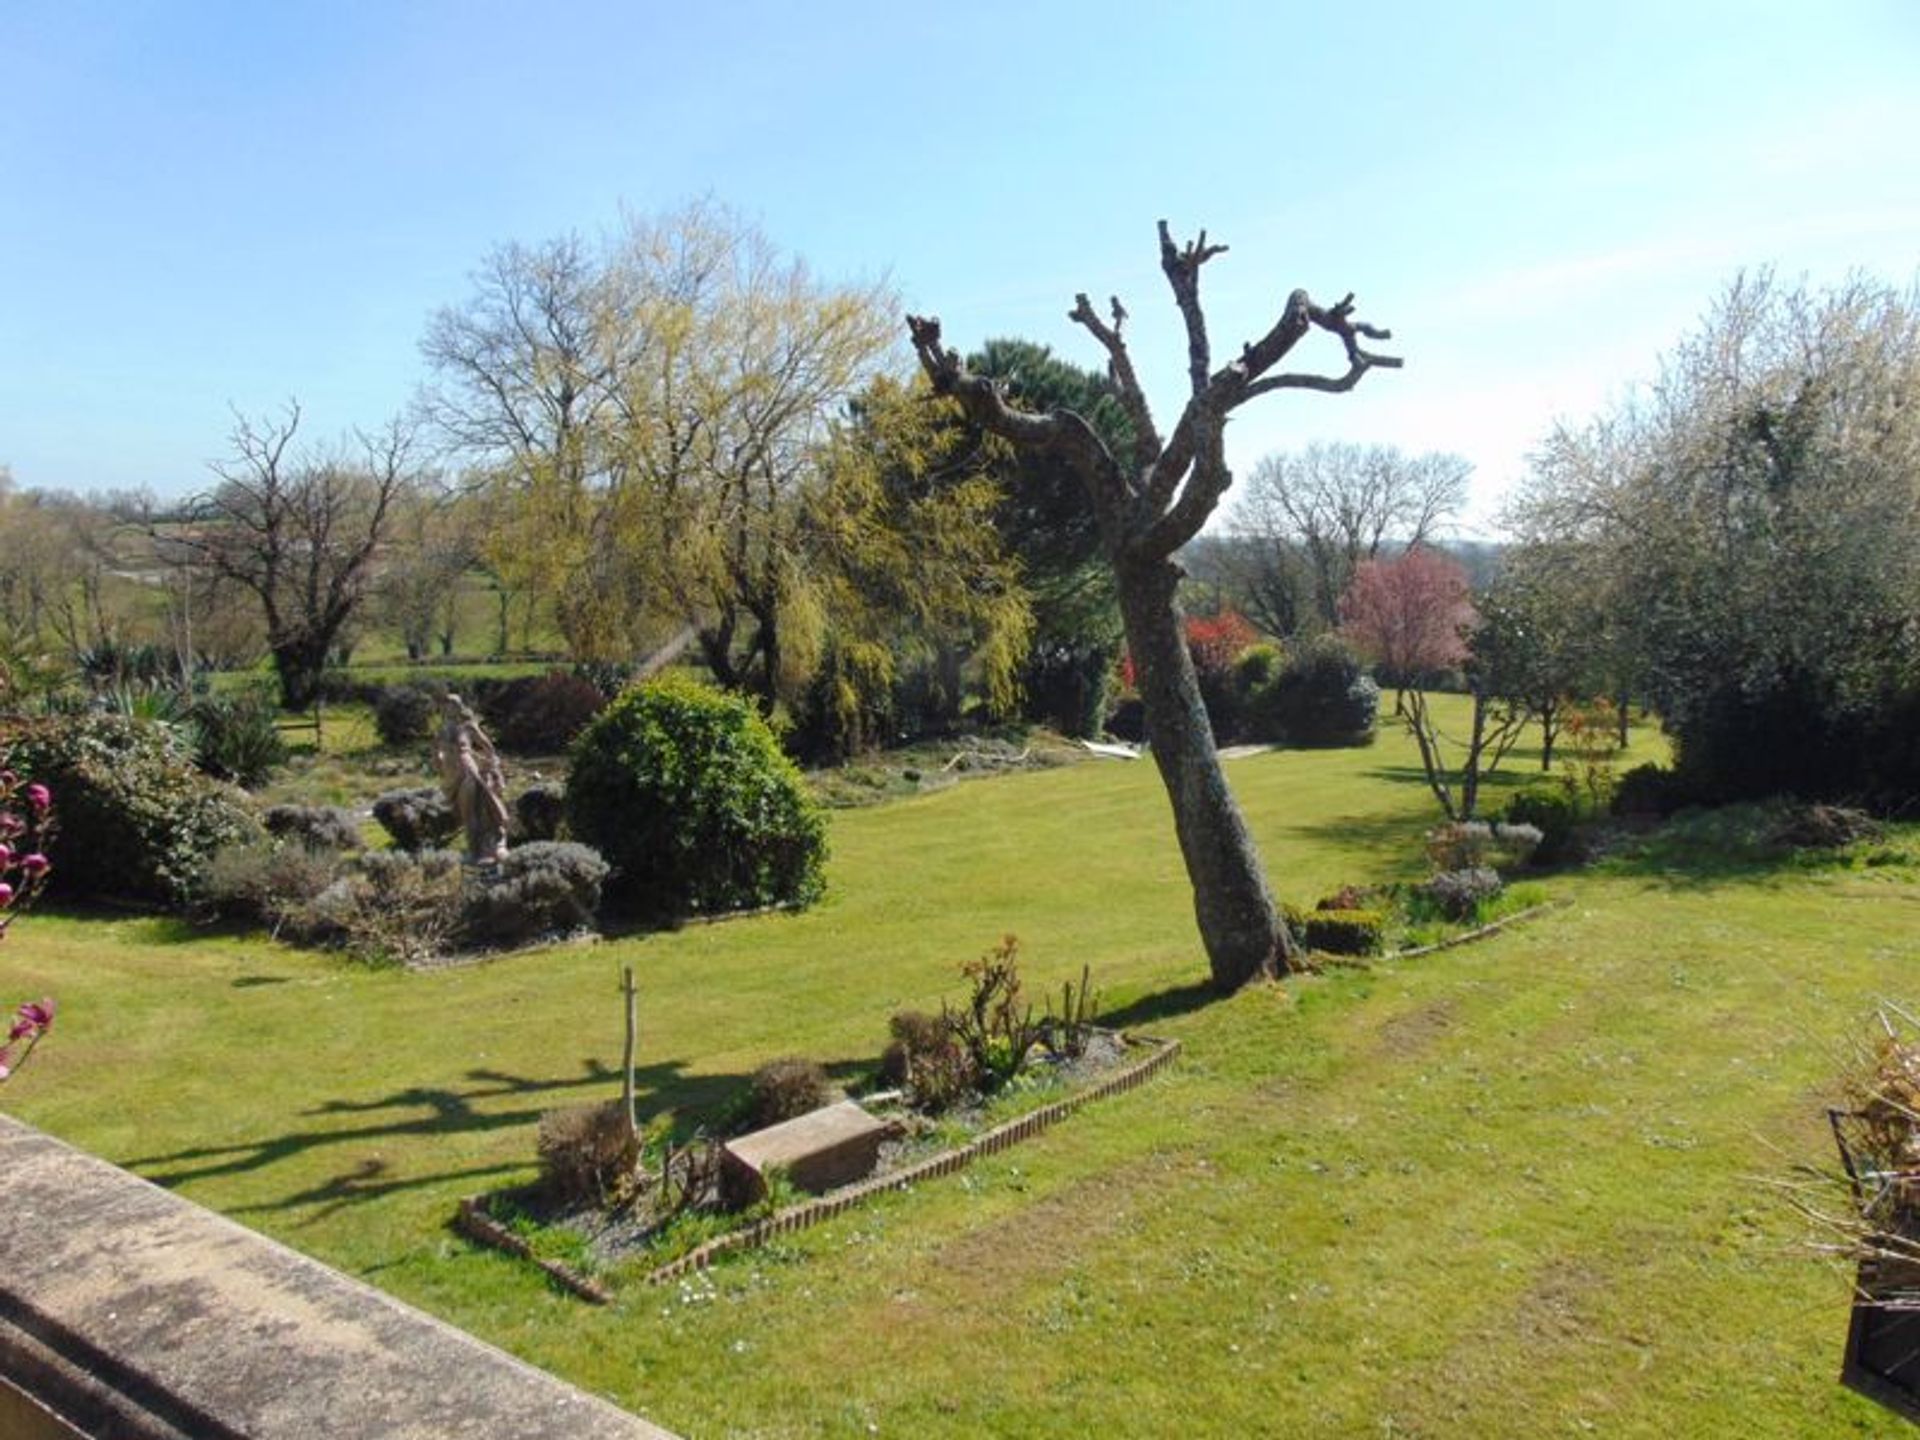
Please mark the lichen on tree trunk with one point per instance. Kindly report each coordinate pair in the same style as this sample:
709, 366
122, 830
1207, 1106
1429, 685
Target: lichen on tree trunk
1240, 927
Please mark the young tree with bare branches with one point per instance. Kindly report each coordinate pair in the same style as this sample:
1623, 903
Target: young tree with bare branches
1149, 502
297, 531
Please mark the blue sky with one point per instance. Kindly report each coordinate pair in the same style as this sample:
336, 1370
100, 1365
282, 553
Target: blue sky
214, 205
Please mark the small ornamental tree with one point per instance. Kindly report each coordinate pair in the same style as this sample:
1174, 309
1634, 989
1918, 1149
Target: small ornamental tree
1412, 615
685, 791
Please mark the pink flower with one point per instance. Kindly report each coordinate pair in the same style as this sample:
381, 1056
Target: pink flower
34, 864
6, 856
39, 796
38, 1013
6, 894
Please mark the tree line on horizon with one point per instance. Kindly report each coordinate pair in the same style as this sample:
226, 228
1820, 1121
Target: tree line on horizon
681, 438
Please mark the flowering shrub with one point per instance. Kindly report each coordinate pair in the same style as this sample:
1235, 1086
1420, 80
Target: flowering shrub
26, 820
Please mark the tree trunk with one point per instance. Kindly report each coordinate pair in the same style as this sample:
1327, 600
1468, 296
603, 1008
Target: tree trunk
1239, 924
299, 664
1549, 728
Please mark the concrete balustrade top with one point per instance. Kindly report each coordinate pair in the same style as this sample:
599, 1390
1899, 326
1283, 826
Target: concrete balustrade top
126, 1311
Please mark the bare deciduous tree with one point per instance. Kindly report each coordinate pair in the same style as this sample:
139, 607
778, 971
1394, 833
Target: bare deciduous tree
1149, 502
1337, 505
299, 532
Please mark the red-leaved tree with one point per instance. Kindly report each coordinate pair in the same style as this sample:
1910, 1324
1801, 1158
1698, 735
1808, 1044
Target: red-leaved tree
1412, 616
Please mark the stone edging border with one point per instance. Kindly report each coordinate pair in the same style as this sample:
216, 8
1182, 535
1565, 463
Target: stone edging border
1532, 912
473, 1221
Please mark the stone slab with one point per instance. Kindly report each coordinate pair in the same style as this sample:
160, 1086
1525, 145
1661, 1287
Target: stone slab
835, 1145
132, 1312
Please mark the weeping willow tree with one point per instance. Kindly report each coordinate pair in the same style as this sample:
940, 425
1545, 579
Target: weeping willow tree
651, 414
909, 567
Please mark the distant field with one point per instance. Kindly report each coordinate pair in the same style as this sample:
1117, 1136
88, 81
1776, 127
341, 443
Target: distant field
1512, 1189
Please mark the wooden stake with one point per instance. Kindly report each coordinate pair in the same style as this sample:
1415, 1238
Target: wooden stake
626, 1068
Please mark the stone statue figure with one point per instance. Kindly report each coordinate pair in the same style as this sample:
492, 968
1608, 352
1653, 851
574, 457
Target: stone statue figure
470, 774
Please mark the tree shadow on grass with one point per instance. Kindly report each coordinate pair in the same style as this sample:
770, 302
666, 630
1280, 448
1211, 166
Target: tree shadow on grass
423, 1112
1161, 1005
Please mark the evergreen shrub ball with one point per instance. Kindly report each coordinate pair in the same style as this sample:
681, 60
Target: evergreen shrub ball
686, 792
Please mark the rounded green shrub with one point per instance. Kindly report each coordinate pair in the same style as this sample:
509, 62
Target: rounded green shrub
404, 714
137, 819
1555, 813
686, 793
1320, 696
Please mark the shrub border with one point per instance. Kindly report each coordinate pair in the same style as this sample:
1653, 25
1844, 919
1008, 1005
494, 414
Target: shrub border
473, 1221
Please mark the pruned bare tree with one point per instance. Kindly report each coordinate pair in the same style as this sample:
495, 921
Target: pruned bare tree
297, 531
1149, 502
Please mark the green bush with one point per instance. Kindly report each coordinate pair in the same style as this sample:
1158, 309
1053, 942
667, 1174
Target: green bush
1343, 932
138, 821
416, 819
1322, 696
404, 714
1650, 790
686, 793
237, 737
1555, 813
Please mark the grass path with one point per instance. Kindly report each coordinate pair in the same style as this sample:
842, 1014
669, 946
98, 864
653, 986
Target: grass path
1505, 1190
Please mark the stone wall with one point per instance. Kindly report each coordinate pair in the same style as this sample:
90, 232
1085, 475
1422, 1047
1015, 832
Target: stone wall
126, 1311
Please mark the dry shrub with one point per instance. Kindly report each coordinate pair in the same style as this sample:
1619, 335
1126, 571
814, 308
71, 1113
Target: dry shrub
784, 1090
587, 1152
1868, 1212
1825, 827
928, 1060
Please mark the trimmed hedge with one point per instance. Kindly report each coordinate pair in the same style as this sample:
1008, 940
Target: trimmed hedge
686, 793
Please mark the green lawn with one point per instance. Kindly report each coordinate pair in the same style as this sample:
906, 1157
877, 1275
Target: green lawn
1510, 1189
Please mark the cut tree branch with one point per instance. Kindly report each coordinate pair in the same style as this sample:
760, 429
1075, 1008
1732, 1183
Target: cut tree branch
1182, 267
1061, 431
1146, 439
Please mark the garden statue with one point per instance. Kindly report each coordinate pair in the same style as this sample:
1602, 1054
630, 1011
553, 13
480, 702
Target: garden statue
470, 774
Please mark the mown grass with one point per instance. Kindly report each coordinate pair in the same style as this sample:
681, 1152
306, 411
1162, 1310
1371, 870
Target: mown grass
1510, 1189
